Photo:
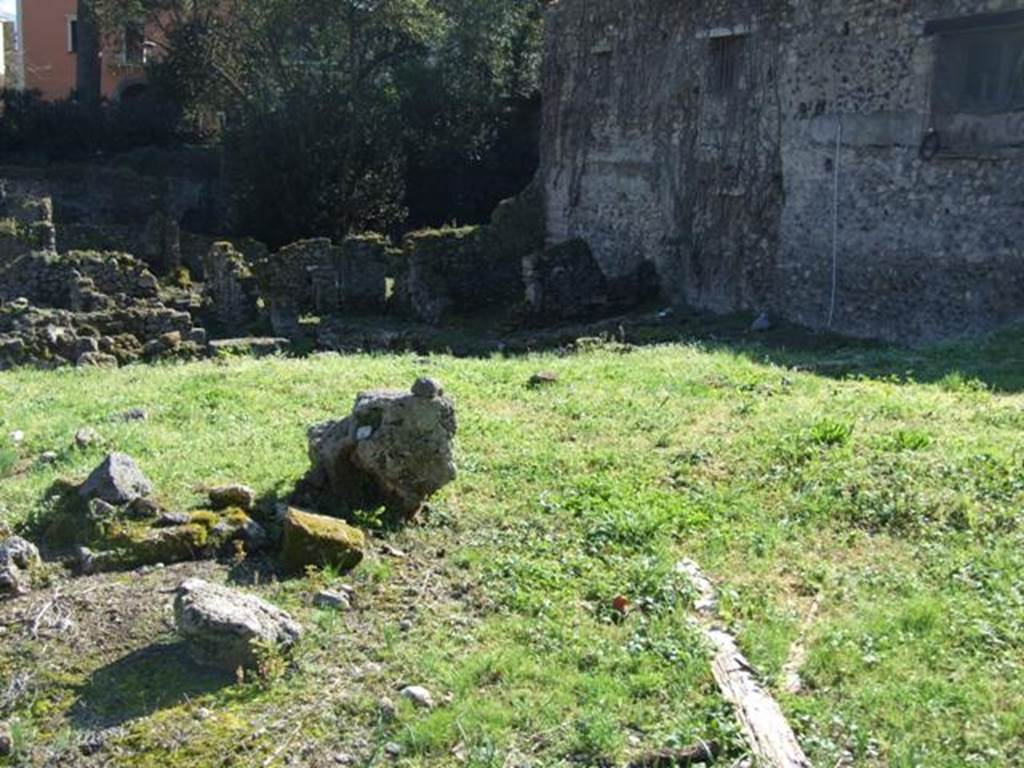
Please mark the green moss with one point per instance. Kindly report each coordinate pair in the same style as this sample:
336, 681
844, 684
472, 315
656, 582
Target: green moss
181, 278
433, 238
372, 238
236, 516
205, 518
132, 545
34, 234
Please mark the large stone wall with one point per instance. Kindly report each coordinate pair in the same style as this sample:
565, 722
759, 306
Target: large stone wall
705, 138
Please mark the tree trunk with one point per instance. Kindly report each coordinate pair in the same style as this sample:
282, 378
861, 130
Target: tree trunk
88, 79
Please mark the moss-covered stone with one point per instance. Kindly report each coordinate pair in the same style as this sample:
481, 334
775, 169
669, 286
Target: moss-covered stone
120, 543
320, 541
127, 545
204, 518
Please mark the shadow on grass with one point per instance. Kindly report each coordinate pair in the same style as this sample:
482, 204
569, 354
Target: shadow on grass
159, 676
996, 360
60, 520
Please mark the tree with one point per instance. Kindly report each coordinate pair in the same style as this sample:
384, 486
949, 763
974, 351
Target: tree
341, 112
88, 62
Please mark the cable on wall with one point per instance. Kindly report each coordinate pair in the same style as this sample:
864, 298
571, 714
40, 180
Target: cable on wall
835, 220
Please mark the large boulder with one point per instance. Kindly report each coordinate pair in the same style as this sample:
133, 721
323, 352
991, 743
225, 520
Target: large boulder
225, 628
320, 541
118, 480
17, 557
395, 449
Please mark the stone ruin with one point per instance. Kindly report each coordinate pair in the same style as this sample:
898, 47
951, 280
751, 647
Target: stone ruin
230, 293
182, 295
317, 277
82, 308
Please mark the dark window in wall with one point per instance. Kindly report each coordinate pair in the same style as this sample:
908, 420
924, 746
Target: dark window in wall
72, 35
980, 71
134, 44
978, 90
725, 63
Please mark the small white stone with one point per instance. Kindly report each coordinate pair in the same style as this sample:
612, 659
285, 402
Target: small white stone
419, 696
49, 457
85, 437
17, 436
364, 433
329, 598
386, 707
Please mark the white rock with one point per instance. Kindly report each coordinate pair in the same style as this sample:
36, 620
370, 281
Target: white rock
17, 436
85, 437
419, 696
222, 626
329, 598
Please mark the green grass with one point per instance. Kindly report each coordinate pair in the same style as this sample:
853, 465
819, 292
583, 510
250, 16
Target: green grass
886, 484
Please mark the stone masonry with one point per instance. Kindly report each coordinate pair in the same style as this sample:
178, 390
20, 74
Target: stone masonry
846, 164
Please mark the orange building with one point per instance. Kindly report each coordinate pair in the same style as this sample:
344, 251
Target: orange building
48, 37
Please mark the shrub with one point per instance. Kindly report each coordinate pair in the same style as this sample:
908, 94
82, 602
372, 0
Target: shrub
69, 130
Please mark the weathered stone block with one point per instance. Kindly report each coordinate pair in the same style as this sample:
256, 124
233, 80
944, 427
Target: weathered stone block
395, 448
316, 540
225, 627
117, 480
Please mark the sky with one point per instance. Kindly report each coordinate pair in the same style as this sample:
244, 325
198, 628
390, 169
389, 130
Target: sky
7, 7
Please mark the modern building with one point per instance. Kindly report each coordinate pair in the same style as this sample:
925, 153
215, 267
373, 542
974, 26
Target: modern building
8, 51
48, 35
847, 164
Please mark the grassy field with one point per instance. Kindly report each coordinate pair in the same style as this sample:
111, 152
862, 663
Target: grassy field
883, 487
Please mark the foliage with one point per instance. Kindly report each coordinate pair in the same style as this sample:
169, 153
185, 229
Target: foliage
341, 115
70, 130
8, 459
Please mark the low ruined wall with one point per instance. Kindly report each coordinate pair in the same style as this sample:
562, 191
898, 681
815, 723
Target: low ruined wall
49, 280
737, 146
469, 269
119, 206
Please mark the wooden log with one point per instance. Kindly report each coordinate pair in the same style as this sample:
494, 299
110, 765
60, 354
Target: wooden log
769, 736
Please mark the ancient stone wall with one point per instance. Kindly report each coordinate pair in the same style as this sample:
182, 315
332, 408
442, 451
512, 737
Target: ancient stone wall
738, 145
49, 280
361, 266
230, 292
469, 269
116, 207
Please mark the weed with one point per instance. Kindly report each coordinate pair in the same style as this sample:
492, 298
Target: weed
830, 432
